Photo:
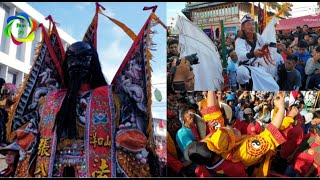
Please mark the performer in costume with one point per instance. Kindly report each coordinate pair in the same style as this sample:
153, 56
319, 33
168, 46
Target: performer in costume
305, 159
222, 119
77, 126
248, 47
76, 122
249, 150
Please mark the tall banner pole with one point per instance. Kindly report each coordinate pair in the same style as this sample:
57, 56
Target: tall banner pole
252, 10
224, 58
223, 43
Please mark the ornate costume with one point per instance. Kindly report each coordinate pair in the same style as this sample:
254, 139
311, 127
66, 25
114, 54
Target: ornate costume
83, 149
86, 128
248, 149
250, 67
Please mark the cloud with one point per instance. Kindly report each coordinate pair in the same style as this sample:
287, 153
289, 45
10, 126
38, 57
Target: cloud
174, 10
172, 17
118, 32
111, 58
109, 13
83, 5
87, 3
68, 29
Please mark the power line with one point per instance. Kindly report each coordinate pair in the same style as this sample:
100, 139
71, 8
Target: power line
158, 83
302, 7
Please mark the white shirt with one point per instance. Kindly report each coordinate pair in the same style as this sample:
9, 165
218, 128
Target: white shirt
242, 48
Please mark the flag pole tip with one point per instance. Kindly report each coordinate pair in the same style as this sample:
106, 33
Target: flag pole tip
49, 17
99, 5
154, 8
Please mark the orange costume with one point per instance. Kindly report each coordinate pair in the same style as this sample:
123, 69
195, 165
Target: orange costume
216, 116
248, 149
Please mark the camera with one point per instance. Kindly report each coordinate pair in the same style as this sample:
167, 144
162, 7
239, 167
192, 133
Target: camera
193, 59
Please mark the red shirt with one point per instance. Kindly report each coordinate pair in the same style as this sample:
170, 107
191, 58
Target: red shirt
195, 132
300, 120
174, 164
170, 114
284, 55
254, 129
237, 124
294, 136
228, 168
241, 126
305, 158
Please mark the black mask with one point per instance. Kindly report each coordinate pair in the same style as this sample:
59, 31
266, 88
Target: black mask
78, 57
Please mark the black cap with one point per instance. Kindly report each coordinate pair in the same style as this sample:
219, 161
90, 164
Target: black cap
199, 153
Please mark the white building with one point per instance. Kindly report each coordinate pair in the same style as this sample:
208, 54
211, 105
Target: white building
16, 61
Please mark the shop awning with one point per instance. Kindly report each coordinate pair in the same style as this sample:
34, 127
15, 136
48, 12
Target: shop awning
291, 23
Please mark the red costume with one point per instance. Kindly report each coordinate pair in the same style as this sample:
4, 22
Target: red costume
224, 167
305, 158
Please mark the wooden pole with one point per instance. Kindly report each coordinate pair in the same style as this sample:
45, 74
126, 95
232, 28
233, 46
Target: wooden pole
223, 44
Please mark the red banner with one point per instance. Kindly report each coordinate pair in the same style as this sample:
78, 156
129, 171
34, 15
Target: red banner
91, 33
132, 87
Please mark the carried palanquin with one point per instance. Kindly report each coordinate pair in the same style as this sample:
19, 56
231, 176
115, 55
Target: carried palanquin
114, 122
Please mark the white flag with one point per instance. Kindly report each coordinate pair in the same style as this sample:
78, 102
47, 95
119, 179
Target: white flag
208, 73
269, 34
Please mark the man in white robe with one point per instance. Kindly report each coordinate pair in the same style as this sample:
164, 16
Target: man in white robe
251, 75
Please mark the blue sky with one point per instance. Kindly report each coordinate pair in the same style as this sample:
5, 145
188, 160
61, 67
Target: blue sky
173, 9
113, 43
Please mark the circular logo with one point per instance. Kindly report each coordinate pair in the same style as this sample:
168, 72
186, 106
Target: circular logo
256, 144
31, 23
216, 125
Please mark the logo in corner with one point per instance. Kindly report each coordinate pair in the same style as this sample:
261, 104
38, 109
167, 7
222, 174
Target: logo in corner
22, 16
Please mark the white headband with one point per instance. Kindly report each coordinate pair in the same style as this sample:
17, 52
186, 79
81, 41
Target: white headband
246, 18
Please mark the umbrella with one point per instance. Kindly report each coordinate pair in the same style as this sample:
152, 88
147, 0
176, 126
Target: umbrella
12, 87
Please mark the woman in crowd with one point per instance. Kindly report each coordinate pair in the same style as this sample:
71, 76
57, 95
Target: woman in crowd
11, 154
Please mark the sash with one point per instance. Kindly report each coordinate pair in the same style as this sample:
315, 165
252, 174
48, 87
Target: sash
99, 138
99, 130
47, 145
